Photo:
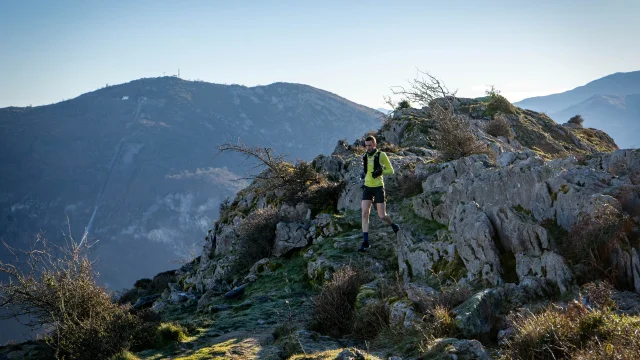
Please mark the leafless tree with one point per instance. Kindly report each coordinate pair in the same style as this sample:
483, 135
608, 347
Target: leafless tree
452, 135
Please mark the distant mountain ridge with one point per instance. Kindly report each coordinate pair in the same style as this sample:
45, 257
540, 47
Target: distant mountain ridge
134, 163
610, 103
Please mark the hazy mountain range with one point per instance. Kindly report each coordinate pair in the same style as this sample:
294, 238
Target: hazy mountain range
134, 164
611, 103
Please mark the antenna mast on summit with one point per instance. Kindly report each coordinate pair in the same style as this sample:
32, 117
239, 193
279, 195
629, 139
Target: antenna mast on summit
178, 72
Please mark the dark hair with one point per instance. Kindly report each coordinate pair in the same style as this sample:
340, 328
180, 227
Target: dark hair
371, 138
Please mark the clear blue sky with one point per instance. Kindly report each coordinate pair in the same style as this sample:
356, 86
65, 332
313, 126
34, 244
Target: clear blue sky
58, 49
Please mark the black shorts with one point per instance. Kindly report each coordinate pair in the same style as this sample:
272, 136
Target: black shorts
375, 193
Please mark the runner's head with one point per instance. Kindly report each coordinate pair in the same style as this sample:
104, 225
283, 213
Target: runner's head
370, 144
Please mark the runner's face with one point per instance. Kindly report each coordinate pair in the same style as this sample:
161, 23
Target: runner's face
369, 145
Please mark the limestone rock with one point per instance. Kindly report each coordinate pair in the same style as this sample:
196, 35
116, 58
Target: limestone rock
350, 354
236, 293
298, 213
517, 234
327, 224
401, 314
550, 266
476, 316
289, 236
473, 233
417, 255
321, 269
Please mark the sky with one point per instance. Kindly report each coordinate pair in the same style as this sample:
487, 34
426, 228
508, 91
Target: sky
55, 50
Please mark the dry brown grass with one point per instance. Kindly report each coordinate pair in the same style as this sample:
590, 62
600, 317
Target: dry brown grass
574, 333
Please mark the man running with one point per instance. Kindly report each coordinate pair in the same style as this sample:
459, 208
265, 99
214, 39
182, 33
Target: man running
376, 163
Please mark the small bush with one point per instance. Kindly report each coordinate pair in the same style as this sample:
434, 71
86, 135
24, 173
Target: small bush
161, 282
324, 195
389, 147
129, 296
370, 319
404, 104
256, 235
60, 293
576, 120
589, 244
144, 337
574, 333
440, 323
406, 186
498, 103
454, 137
168, 334
448, 298
499, 126
333, 308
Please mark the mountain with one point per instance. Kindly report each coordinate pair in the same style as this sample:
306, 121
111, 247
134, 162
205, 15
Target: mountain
618, 115
615, 84
134, 166
609, 103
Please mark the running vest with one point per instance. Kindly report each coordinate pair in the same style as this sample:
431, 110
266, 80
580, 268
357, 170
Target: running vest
376, 162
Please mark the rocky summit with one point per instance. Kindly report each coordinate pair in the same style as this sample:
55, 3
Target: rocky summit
535, 226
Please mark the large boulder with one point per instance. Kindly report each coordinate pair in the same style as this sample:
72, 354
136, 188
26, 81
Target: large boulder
473, 234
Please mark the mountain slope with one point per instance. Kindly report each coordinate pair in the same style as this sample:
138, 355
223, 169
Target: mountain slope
614, 84
618, 115
134, 163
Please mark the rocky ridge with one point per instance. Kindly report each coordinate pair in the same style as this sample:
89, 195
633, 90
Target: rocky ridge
492, 222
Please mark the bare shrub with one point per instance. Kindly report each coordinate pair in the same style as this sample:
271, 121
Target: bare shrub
499, 126
590, 243
454, 137
576, 120
599, 293
333, 308
299, 182
409, 185
60, 292
256, 235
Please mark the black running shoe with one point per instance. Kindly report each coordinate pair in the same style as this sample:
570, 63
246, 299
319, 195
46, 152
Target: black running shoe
395, 228
364, 246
